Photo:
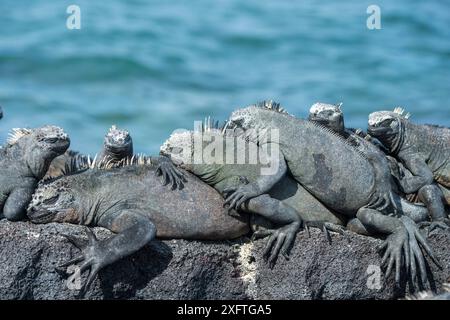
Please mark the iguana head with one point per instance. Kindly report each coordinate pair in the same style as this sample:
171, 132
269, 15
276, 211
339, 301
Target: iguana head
53, 202
251, 117
388, 127
40, 146
186, 148
118, 143
329, 115
179, 148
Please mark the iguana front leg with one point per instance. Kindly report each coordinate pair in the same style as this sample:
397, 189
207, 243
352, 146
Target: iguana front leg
169, 172
401, 245
383, 196
17, 202
133, 232
262, 185
281, 239
422, 181
421, 174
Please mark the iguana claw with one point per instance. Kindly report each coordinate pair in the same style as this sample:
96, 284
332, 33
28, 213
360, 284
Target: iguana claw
280, 241
433, 225
236, 196
170, 174
326, 227
407, 242
92, 257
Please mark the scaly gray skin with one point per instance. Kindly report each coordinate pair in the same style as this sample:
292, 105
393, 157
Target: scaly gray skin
337, 174
286, 204
331, 116
424, 150
68, 162
117, 146
117, 149
23, 162
131, 202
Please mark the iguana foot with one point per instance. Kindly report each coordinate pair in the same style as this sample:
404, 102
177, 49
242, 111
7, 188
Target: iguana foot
280, 241
171, 175
326, 227
437, 224
236, 196
93, 257
407, 242
395, 245
416, 240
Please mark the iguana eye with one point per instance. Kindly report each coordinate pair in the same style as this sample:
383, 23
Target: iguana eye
50, 140
386, 123
51, 200
176, 150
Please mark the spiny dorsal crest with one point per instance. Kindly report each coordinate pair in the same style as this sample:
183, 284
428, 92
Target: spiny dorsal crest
336, 135
106, 164
16, 134
271, 105
401, 112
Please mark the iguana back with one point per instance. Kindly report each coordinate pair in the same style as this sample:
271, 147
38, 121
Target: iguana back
195, 212
324, 163
222, 175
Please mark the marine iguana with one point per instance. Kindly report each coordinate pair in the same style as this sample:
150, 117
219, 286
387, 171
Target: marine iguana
117, 149
218, 152
117, 145
386, 167
425, 151
332, 117
337, 174
131, 202
23, 162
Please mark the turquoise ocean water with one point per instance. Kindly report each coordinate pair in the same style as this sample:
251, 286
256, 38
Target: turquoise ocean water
155, 66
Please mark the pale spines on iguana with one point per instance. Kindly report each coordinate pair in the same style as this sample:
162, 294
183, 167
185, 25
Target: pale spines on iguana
117, 151
425, 152
117, 146
338, 175
332, 117
23, 162
286, 201
131, 202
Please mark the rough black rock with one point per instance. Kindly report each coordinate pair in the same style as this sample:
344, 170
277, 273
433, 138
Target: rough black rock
178, 269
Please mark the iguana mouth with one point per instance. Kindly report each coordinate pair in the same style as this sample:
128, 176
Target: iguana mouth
117, 149
378, 131
61, 146
40, 216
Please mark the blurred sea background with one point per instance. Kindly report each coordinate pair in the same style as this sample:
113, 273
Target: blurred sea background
154, 66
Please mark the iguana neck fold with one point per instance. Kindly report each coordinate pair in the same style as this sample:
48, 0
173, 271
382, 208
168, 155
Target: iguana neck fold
395, 141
